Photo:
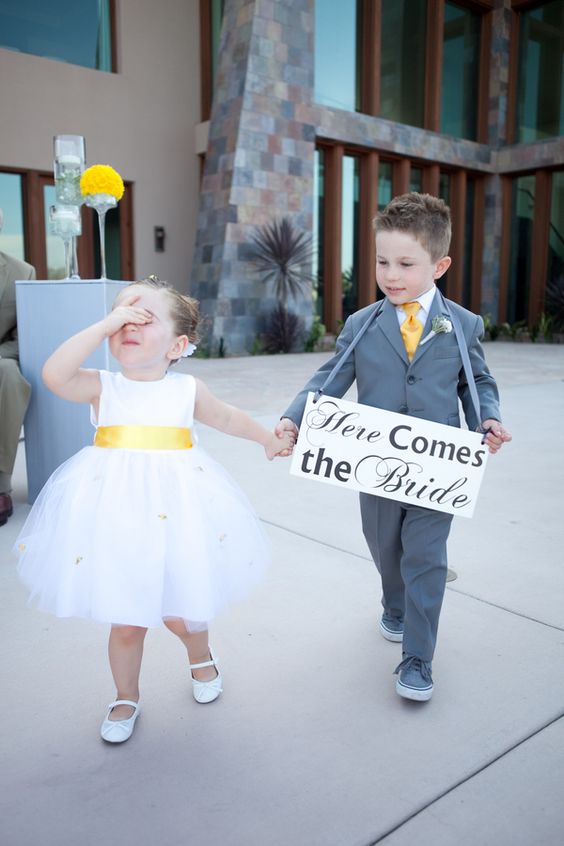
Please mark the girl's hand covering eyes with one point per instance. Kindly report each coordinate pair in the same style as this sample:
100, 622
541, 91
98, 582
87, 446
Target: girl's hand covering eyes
124, 313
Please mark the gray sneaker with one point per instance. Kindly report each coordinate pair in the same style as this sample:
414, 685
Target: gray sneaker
414, 679
391, 628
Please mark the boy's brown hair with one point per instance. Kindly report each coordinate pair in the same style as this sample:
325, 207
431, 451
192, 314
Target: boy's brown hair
424, 217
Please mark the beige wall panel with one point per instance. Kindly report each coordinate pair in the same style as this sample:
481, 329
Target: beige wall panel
140, 120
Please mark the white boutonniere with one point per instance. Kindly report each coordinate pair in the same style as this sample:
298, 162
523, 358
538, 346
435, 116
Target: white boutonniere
439, 324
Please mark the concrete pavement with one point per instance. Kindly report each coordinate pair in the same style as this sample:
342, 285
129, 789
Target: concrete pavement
310, 745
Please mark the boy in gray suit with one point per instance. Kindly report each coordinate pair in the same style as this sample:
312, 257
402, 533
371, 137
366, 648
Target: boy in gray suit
395, 372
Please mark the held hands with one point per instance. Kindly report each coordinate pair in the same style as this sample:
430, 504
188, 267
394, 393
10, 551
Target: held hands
280, 444
283, 428
496, 436
124, 314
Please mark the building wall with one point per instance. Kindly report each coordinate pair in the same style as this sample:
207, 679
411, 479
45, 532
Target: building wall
259, 162
263, 41
141, 120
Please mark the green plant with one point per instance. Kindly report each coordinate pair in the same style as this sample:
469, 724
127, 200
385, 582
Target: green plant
283, 330
203, 350
256, 348
544, 326
491, 329
282, 255
316, 332
555, 303
518, 328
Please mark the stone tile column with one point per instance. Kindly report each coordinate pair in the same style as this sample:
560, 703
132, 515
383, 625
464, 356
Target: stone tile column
259, 161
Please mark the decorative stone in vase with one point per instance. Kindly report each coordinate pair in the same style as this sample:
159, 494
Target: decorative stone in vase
69, 159
65, 222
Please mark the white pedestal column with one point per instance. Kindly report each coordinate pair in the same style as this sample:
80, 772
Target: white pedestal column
49, 312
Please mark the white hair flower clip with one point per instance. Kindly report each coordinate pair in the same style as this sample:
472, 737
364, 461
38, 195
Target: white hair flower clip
439, 324
190, 350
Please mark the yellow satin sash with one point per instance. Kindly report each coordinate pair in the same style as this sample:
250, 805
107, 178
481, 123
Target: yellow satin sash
143, 437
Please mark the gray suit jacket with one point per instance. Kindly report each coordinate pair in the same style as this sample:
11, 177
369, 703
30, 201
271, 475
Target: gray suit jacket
10, 270
428, 387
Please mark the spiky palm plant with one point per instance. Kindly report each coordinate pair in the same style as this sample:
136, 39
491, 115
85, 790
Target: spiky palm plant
555, 301
282, 254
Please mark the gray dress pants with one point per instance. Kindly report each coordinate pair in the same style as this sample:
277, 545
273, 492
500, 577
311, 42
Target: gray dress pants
408, 545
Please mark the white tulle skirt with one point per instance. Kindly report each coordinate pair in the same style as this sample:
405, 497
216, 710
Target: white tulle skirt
131, 537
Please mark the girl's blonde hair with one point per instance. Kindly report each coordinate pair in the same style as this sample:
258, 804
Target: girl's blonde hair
184, 310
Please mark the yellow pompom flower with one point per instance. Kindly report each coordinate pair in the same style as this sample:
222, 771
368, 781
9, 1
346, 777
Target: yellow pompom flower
101, 179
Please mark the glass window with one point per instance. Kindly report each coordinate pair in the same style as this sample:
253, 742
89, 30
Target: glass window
216, 11
523, 202
402, 69
444, 186
416, 179
318, 230
336, 54
384, 184
540, 98
349, 235
77, 33
12, 234
556, 251
461, 58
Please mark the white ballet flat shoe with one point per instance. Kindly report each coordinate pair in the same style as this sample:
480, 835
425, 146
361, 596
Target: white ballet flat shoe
117, 731
206, 691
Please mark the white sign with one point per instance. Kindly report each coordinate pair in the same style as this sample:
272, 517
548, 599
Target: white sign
392, 455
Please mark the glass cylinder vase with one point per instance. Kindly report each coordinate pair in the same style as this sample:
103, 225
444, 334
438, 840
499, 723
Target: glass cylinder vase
102, 203
69, 157
65, 222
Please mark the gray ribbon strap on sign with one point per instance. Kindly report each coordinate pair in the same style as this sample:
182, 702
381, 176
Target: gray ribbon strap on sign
377, 309
462, 345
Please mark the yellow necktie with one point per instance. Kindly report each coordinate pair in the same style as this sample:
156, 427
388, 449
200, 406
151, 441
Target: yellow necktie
411, 329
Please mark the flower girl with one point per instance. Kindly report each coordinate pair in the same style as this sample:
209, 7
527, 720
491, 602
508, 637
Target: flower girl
143, 526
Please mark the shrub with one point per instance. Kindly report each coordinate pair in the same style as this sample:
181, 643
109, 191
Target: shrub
284, 330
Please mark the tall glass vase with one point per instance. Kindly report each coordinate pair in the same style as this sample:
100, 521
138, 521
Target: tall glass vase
102, 203
69, 157
65, 222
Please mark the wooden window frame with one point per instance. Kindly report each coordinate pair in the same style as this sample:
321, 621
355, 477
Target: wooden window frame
114, 26
433, 64
517, 7
332, 233
35, 250
505, 249
369, 163
539, 243
206, 92
370, 46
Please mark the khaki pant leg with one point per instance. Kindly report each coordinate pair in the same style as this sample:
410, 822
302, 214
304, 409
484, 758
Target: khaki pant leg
15, 392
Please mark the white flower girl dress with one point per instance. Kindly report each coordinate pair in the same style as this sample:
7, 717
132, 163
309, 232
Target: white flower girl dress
131, 532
